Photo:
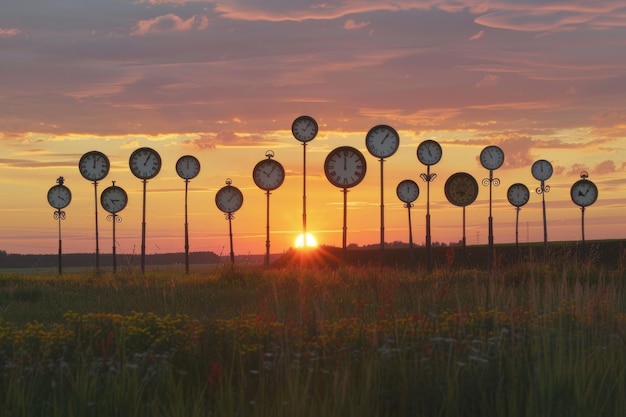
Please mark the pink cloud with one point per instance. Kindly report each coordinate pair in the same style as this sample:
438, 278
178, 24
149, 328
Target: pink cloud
351, 24
477, 35
9, 33
605, 167
489, 80
170, 23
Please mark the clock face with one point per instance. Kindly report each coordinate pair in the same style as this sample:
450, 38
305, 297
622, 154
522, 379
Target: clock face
429, 152
229, 199
461, 189
407, 191
382, 141
518, 194
59, 196
113, 199
541, 170
584, 193
304, 128
145, 163
268, 174
187, 167
345, 167
492, 157
94, 166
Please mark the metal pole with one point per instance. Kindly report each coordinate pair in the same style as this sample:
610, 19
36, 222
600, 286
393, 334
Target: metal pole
304, 242
411, 260
60, 244
186, 230
143, 231
113, 249
230, 233
345, 221
382, 213
582, 209
267, 229
517, 251
464, 240
429, 262
545, 223
490, 254
95, 193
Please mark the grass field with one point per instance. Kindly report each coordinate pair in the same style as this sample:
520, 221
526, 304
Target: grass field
536, 339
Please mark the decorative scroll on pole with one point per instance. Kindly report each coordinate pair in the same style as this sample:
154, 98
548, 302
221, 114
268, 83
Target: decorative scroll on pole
59, 197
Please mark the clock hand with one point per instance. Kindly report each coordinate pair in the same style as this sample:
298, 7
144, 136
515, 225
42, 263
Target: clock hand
146, 161
385, 138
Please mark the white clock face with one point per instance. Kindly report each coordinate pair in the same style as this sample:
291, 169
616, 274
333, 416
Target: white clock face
492, 157
113, 199
461, 189
345, 167
145, 163
584, 193
407, 191
429, 152
541, 170
382, 141
268, 174
187, 167
304, 128
518, 194
229, 199
94, 166
59, 196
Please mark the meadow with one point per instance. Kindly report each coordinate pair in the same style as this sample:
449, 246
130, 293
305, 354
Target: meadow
529, 339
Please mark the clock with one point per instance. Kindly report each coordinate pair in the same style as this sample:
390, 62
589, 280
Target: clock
429, 152
382, 141
94, 166
229, 199
584, 192
268, 174
492, 157
145, 163
59, 196
461, 189
187, 167
113, 199
541, 170
304, 128
407, 191
345, 167
518, 194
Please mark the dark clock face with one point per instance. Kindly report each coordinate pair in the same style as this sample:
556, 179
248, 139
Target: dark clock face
268, 174
229, 199
304, 128
584, 193
492, 157
345, 167
541, 170
407, 191
187, 167
429, 152
382, 141
518, 194
94, 166
461, 189
145, 163
59, 196
113, 199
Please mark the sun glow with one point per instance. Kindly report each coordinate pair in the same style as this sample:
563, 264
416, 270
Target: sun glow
311, 242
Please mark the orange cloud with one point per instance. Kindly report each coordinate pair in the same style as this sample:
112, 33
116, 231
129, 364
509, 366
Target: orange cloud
170, 23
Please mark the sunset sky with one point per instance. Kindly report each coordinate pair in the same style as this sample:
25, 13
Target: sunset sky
224, 80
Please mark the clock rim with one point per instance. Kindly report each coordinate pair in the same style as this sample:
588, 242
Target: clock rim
185, 157
407, 181
499, 149
154, 152
457, 175
221, 191
357, 152
382, 126
65, 188
422, 144
536, 163
107, 190
293, 132
271, 161
94, 152
580, 182
517, 184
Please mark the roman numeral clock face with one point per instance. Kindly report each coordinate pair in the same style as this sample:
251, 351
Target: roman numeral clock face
145, 163
345, 167
94, 166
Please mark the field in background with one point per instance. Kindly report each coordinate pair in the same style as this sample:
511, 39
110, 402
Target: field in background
528, 339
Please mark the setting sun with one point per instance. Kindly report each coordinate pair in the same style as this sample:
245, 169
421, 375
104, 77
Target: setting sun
311, 242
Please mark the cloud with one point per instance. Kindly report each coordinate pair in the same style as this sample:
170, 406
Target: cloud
9, 33
489, 80
477, 35
170, 23
351, 24
605, 167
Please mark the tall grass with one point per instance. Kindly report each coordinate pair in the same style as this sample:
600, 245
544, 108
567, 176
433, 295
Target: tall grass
529, 340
